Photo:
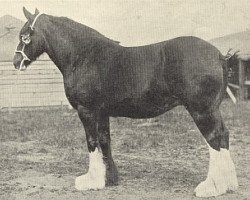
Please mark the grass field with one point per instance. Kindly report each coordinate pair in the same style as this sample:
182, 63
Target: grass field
43, 150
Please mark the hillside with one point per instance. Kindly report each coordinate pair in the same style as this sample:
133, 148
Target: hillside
9, 29
237, 41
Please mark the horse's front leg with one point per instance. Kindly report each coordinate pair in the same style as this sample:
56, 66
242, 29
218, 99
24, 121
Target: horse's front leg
96, 175
105, 144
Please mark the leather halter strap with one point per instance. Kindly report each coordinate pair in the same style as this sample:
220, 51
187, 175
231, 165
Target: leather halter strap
34, 21
25, 57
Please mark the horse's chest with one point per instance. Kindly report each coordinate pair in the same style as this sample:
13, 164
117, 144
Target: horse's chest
80, 89
70, 90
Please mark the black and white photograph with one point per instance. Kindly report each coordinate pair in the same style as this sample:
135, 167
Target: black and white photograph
124, 99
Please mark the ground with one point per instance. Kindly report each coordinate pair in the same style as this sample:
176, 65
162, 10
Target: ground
43, 150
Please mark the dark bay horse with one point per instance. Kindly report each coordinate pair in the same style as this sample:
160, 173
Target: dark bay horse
103, 79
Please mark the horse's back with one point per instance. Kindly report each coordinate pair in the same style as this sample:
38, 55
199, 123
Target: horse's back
160, 76
188, 68
179, 62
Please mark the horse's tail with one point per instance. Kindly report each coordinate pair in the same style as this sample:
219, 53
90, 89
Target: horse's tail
230, 56
229, 64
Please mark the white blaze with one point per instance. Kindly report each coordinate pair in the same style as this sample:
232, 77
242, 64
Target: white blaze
95, 178
221, 175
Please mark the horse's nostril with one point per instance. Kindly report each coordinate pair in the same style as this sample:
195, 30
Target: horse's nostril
17, 61
16, 66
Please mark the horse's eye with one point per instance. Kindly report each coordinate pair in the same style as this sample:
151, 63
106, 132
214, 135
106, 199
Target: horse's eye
26, 39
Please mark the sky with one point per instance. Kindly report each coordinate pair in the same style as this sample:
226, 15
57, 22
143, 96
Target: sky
140, 22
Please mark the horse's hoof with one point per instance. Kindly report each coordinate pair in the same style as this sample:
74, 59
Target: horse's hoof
95, 178
208, 188
212, 188
86, 182
221, 175
112, 175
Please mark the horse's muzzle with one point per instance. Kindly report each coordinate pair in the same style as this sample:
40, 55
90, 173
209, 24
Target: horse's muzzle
19, 62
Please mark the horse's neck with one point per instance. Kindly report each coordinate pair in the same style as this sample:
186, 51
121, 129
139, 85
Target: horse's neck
60, 48
58, 51
64, 49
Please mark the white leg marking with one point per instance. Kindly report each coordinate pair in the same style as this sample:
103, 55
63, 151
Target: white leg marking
221, 175
95, 178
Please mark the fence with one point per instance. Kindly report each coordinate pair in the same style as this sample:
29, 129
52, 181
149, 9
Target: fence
40, 85
240, 82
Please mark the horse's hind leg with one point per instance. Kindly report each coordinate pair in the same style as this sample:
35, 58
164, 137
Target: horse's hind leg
221, 173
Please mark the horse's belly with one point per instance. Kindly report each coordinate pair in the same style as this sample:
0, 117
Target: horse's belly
138, 108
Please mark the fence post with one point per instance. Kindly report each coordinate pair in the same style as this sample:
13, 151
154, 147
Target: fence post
241, 80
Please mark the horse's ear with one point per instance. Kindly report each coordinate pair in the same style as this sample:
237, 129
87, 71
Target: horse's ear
27, 14
36, 11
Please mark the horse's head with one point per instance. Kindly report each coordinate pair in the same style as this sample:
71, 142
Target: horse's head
32, 42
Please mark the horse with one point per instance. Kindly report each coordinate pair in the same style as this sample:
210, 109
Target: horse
104, 79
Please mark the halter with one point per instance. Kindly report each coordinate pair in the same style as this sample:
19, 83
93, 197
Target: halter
25, 57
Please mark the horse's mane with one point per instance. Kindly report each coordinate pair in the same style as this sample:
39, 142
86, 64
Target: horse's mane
78, 28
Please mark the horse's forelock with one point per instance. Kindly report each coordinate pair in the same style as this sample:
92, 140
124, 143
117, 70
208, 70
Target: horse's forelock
25, 28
